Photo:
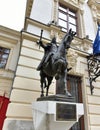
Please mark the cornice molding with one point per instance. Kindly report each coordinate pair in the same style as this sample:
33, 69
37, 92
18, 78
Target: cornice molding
74, 4
8, 39
33, 37
9, 31
9, 35
28, 7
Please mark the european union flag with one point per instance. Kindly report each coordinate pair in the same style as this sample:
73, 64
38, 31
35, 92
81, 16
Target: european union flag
96, 44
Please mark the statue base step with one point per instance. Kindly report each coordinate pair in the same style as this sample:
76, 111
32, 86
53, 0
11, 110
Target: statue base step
58, 97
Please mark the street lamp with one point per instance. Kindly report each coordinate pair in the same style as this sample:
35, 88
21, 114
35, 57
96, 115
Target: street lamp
93, 61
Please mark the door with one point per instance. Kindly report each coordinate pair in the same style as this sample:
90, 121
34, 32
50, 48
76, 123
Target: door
75, 88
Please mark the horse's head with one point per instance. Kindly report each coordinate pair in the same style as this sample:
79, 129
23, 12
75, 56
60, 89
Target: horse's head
68, 38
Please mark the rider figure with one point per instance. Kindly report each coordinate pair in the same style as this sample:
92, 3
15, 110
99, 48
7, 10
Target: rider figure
49, 50
53, 50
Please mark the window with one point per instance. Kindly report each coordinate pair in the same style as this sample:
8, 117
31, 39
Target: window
67, 19
4, 53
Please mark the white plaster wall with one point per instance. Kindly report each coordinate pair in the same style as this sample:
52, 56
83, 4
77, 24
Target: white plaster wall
37, 30
42, 11
88, 22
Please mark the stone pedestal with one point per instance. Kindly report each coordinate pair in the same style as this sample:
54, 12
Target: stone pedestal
57, 97
55, 115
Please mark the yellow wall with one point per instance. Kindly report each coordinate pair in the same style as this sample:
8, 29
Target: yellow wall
9, 39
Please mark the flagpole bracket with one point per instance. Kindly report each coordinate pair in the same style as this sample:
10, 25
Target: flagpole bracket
93, 69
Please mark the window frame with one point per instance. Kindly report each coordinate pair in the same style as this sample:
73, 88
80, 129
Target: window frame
2, 53
68, 15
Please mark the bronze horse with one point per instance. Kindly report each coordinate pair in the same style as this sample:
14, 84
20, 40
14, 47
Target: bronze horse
56, 65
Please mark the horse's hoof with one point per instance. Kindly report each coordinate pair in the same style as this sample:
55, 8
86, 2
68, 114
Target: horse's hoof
42, 95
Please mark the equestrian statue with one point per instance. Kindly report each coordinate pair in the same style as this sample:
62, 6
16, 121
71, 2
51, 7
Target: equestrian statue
54, 63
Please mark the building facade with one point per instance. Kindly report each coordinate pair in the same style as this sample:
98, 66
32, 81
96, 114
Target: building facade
20, 79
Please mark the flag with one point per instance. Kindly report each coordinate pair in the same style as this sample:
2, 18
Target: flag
96, 44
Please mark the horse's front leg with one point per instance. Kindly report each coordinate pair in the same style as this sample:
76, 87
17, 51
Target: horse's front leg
49, 82
42, 83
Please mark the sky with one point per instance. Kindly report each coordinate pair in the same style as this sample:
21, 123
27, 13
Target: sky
12, 13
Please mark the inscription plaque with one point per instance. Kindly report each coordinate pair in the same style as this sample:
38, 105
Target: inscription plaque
65, 112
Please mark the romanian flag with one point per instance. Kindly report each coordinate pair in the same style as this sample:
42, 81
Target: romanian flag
96, 44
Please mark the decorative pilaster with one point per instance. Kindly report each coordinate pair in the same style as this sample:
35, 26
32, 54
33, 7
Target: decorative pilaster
86, 45
72, 60
81, 20
55, 11
93, 7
